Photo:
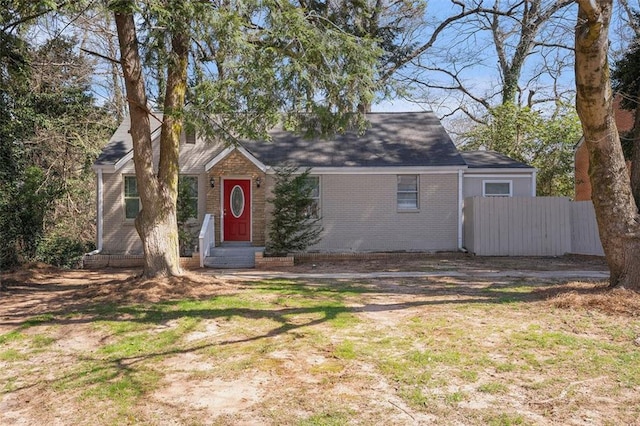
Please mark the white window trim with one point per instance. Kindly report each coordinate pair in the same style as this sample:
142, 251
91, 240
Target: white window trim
192, 220
124, 198
484, 186
319, 199
417, 192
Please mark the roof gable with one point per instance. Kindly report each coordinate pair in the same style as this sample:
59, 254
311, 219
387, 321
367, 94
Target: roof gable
119, 149
228, 150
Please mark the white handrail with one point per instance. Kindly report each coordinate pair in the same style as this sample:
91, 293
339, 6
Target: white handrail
206, 239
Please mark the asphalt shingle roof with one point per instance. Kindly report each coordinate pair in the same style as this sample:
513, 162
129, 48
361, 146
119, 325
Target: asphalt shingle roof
491, 160
390, 140
120, 143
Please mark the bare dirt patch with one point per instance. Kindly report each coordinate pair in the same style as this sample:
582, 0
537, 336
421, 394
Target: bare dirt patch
460, 350
401, 262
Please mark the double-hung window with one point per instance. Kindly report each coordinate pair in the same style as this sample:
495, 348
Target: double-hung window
496, 188
313, 183
131, 197
187, 196
407, 192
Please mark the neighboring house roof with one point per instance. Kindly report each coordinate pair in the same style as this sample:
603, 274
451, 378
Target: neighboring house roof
390, 140
491, 159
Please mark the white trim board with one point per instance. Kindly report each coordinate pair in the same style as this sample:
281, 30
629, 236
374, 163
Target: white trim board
225, 152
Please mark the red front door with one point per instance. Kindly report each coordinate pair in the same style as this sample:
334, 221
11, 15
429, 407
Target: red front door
237, 210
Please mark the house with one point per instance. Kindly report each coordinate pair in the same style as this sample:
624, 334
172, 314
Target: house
400, 186
624, 123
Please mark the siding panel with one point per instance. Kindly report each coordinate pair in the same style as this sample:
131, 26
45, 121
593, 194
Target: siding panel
518, 226
585, 238
120, 235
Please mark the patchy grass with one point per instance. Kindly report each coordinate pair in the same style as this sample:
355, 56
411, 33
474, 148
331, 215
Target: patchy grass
328, 352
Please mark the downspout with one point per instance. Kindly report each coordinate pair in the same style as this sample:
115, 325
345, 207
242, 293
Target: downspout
460, 209
533, 183
100, 214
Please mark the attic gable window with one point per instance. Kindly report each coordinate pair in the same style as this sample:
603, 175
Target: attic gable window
190, 137
407, 192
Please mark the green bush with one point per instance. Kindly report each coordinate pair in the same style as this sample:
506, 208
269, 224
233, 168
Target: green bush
63, 252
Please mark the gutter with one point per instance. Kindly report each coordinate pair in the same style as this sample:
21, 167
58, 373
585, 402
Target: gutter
460, 209
100, 215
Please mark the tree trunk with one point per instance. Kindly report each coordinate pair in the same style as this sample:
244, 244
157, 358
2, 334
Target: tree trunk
156, 223
618, 221
635, 157
118, 97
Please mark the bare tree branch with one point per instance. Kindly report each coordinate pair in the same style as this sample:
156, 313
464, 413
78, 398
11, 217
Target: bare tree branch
434, 36
100, 55
12, 25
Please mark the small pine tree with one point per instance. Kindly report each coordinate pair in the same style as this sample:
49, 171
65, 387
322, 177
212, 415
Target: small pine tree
295, 224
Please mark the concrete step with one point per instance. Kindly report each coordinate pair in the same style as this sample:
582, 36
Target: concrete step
236, 251
229, 262
231, 257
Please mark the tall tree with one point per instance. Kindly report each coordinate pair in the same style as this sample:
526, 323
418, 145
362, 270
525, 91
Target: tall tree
398, 26
531, 137
616, 212
50, 133
250, 61
490, 53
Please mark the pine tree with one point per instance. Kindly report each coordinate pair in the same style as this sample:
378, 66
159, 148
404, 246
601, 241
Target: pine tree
295, 223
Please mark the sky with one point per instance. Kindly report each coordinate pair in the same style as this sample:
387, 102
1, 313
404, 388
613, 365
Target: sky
475, 51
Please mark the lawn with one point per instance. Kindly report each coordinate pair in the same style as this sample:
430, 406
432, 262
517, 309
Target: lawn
101, 348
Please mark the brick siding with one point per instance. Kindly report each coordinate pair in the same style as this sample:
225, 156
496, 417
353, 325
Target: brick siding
236, 165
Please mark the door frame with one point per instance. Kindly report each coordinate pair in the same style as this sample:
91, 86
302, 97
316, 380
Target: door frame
222, 200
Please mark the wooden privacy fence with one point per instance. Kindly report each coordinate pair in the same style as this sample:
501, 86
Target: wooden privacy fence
530, 226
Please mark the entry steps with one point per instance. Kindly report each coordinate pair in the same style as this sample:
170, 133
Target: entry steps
232, 255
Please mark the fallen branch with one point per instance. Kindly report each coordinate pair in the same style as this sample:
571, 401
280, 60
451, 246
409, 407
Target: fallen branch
400, 408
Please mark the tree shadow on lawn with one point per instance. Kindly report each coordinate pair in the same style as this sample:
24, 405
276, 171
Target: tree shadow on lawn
78, 304
323, 301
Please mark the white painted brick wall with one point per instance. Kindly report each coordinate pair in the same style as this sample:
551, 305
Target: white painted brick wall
359, 213
120, 236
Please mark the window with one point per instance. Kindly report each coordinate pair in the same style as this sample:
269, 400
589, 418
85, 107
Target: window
188, 134
313, 211
408, 192
496, 188
131, 197
190, 137
188, 196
